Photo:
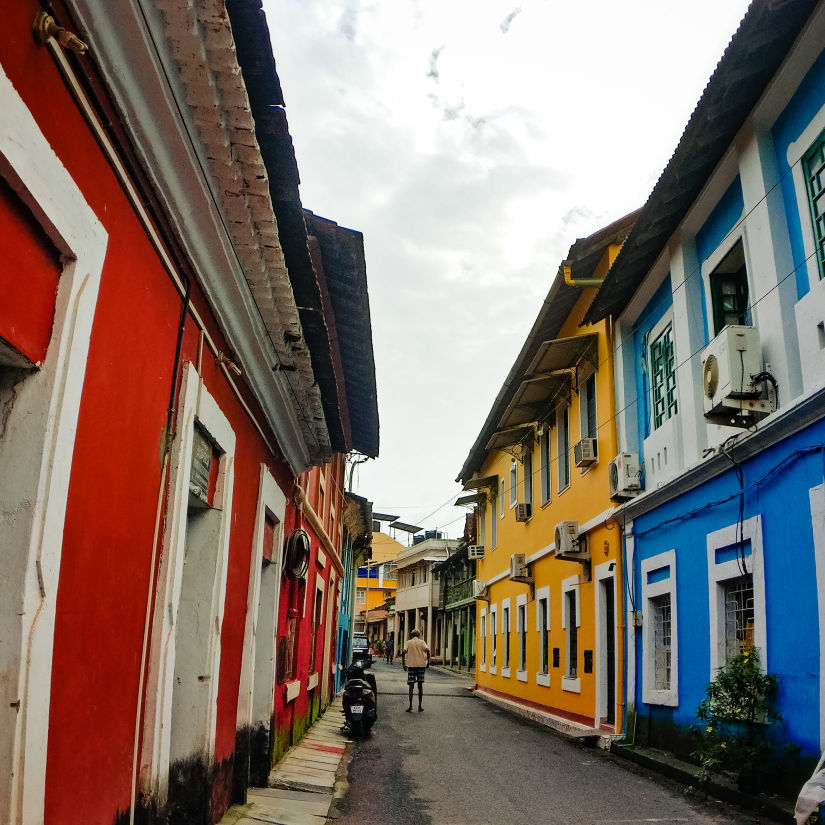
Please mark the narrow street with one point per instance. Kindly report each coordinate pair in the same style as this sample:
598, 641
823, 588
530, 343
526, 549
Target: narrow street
465, 762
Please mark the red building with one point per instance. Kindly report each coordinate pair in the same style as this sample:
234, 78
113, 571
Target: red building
185, 360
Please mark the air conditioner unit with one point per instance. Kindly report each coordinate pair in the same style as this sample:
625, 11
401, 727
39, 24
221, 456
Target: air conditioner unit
625, 477
524, 511
568, 544
518, 566
479, 588
475, 551
730, 362
585, 452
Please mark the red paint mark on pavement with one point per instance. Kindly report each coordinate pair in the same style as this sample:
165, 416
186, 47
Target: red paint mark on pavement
328, 748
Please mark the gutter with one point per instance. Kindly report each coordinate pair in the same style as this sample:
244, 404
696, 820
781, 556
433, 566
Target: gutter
566, 270
307, 512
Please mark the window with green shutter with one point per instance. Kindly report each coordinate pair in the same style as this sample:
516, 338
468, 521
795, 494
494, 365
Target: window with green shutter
813, 167
663, 377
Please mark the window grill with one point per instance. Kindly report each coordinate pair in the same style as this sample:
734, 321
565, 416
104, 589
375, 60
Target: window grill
661, 641
813, 164
739, 615
663, 377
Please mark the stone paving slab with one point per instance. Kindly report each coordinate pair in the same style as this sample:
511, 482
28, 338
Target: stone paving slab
301, 785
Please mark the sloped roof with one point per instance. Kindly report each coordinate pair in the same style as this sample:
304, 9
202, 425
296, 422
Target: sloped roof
254, 54
345, 280
584, 257
753, 56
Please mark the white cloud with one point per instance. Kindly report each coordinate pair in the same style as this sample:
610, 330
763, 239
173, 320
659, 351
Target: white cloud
472, 143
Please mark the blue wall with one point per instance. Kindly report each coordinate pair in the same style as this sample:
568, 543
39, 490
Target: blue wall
658, 305
808, 100
724, 218
777, 484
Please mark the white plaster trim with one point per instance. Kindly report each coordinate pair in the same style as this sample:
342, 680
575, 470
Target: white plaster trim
493, 630
817, 498
521, 631
650, 695
794, 157
482, 631
292, 690
270, 498
542, 593
38, 177
505, 672
506, 636
543, 679
195, 404
312, 681
605, 572
571, 685
321, 558
719, 573
571, 583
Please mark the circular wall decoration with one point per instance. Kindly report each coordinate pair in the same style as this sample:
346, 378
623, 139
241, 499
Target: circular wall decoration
296, 554
710, 376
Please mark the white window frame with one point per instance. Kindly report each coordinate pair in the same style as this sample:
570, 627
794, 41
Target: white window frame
35, 173
482, 625
563, 413
722, 572
258, 666
545, 466
527, 482
196, 403
493, 614
651, 591
493, 525
543, 595
570, 683
513, 484
506, 624
502, 497
521, 631
584, 397
482, 523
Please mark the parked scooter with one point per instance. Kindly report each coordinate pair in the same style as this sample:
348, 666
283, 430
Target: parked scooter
359, 699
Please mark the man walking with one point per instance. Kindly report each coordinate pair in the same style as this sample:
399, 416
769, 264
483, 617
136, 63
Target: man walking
389, 649
416, 659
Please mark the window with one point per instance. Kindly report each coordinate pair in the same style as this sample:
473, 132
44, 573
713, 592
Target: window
482, 524
317, 621
659, 662
502, 493
505, 630
662, 367
521, 628
572, 634
739, 615
563, 435
528, 477
513, 484
813, 167
736, 592
544, 466
483, 639
587, 408
493, 525
729, 290
360, 596
493, 629
571, 619
543, 627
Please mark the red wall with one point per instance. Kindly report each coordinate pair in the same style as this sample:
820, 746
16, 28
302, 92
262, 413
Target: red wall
105, 572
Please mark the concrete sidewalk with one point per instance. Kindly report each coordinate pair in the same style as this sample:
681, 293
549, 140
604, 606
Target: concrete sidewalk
302, 785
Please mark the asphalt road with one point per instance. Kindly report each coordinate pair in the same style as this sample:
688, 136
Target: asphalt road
465, 762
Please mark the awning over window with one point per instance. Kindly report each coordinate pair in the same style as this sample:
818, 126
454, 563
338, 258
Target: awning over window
549, 376
532, 399
564, 353
407, 528
471, 499
512, 435
482, 483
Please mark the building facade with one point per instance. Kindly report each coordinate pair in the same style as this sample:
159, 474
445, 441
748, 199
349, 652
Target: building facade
719, 305
418, 597
165, 388
549, 554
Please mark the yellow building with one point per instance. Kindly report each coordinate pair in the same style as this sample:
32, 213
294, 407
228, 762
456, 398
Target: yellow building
549, 615
377, 582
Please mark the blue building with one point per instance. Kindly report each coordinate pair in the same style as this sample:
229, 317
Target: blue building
718, 298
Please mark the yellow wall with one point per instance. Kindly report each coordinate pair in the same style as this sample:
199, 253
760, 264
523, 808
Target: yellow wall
384, 549
585, 499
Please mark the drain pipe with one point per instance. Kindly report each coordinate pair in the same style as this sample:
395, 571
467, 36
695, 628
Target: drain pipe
566, 270
150, 594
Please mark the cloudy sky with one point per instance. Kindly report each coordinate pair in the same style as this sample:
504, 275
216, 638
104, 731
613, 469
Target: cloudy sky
472, 141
